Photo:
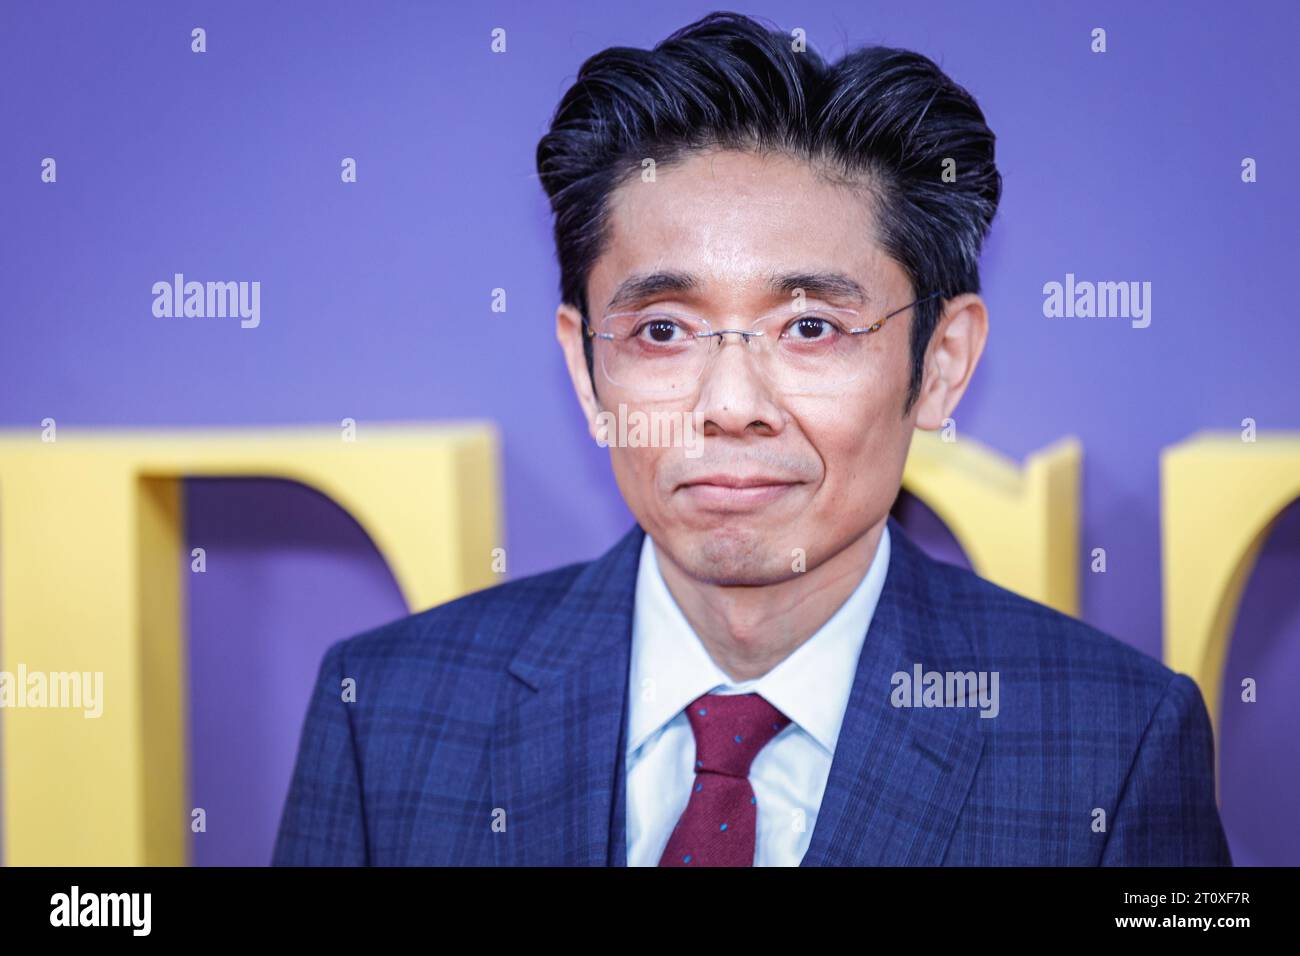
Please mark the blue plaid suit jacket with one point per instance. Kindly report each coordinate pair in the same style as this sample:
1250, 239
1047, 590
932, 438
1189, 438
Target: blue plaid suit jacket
489, 731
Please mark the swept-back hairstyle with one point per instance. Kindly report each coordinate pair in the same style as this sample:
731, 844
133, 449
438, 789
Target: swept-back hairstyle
887, 119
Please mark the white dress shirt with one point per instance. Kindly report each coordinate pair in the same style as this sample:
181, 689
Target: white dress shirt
670, 668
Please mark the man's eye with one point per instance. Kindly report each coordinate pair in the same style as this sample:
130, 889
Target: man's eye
811, 328
659, 331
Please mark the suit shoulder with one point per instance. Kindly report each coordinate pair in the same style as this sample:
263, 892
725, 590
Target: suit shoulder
484, 626
1009, 626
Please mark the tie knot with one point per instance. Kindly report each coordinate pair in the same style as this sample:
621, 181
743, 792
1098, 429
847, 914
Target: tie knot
730, 730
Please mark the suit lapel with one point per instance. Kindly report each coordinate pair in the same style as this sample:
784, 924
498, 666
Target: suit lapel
557, 749
898, 778
900, 775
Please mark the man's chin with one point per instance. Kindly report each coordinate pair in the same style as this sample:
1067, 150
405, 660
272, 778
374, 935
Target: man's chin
736, 556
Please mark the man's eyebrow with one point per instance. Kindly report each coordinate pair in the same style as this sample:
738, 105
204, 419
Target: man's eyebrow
822, 285
644, 286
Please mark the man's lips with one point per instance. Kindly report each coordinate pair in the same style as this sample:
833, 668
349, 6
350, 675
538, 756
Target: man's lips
732, 491
738, 481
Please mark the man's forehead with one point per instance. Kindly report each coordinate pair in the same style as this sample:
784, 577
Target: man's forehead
745, 194
828, 284
758, 224
854, 272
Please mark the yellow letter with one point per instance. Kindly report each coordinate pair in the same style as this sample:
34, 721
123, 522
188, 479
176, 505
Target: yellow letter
1019, 527
1219, 499
90, 581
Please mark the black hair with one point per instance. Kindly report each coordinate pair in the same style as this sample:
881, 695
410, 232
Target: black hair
886, 118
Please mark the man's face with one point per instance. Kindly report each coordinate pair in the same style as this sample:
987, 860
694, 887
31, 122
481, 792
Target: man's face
829, 464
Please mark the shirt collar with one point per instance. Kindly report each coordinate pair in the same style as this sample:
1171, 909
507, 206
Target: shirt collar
670, 666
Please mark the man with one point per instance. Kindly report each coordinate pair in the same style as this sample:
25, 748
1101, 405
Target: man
783, 254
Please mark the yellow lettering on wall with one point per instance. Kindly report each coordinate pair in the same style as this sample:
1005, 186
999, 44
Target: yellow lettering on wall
1018, 526
91, 581
1219, 499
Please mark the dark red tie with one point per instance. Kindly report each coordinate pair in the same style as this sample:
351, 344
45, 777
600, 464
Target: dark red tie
717, 828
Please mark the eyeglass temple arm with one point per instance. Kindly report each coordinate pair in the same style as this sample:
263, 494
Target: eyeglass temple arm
592, 333
874, 326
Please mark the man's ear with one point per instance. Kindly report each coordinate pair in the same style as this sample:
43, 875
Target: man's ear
569, 333
950, 359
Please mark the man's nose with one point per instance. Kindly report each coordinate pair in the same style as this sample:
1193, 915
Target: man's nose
735, 395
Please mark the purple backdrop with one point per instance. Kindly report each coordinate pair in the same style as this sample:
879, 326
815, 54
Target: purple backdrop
376, 295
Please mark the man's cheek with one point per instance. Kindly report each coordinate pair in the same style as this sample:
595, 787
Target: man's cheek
637, 469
